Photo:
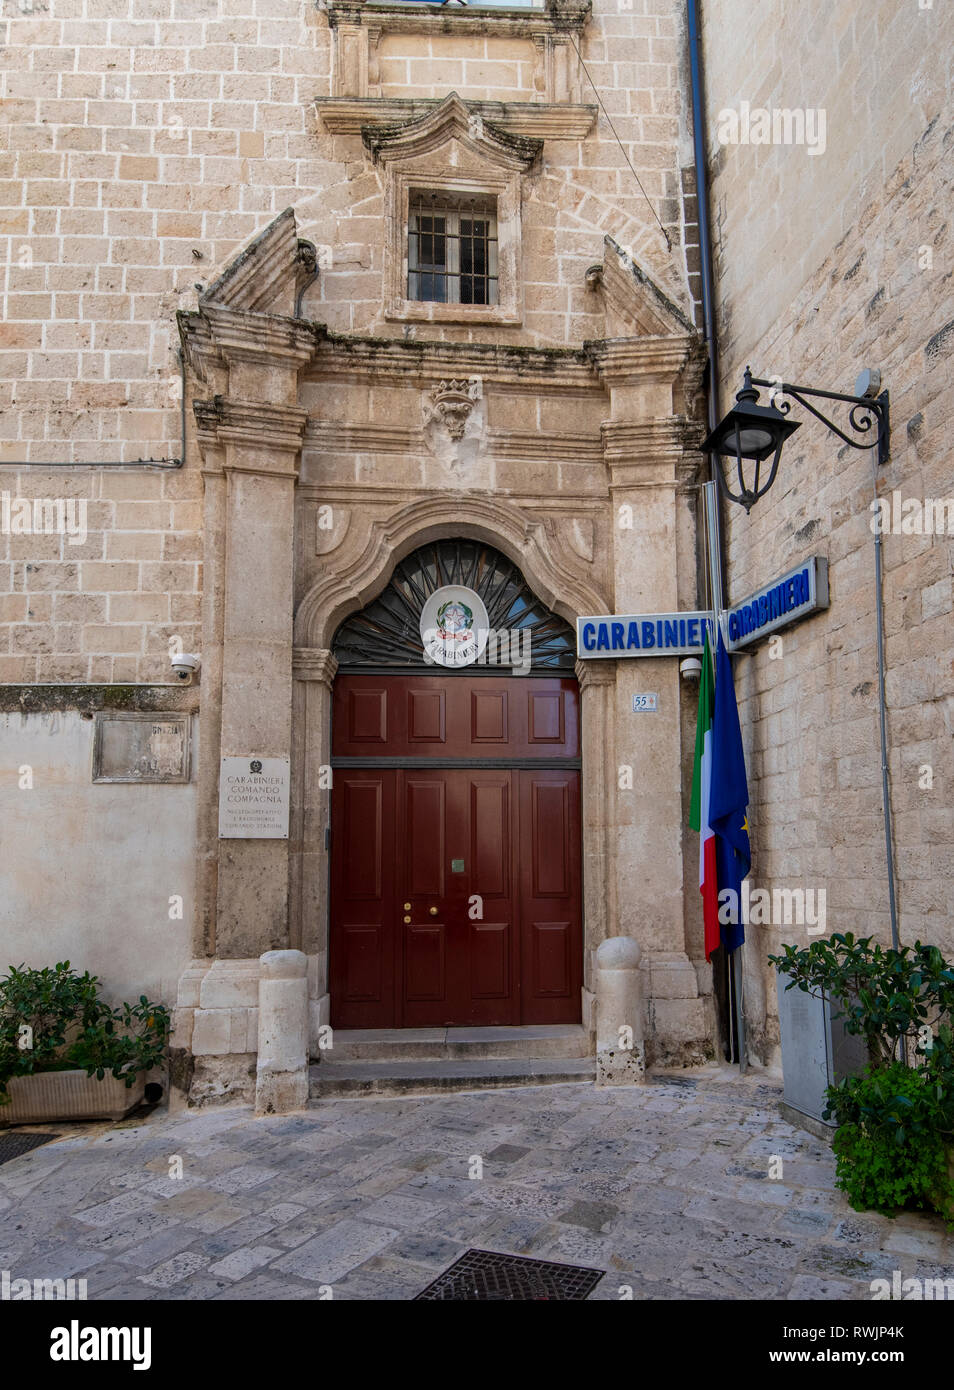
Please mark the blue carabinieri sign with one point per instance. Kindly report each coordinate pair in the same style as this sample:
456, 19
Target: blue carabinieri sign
641, 634
797, 593
801, 591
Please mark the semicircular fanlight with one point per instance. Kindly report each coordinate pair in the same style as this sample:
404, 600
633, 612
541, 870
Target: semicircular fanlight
387, 632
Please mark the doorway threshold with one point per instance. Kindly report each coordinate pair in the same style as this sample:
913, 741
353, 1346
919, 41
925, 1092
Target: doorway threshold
535, 1040
416, 1061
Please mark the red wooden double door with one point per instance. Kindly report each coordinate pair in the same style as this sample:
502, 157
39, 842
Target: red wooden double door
455, 886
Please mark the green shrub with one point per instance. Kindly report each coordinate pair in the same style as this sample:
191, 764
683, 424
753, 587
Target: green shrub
886, 996
53, 1019
894, 1125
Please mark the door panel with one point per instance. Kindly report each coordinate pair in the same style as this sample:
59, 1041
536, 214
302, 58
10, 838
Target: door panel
424, 822
550, 897
456, 716
455, 892
426, 975
426, 716
363, 898
459, 965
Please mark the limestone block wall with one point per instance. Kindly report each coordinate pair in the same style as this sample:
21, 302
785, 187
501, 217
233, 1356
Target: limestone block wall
826, 264
100, 600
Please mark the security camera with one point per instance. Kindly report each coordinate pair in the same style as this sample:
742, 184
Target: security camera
185, 665
691, 668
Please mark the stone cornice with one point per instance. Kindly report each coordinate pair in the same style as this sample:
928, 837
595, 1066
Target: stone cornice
265, 338
413, 361
217, 336
648, 453
91, 699
537, 120
637, 297
267, 274
625, 361
559, 17
330, 436
314, 664
269, 428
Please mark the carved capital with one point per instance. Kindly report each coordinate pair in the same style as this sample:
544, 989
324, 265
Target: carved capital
595, 673
261, 436
314, 664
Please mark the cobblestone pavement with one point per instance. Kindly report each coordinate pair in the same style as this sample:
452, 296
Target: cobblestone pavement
666, 1187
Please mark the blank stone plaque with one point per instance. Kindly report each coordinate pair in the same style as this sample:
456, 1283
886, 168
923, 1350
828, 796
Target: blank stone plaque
141, 748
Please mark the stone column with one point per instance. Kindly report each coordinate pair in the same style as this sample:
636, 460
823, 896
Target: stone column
598, 795
620, 1050
281, 1082
263, 444
313, 669
645, 446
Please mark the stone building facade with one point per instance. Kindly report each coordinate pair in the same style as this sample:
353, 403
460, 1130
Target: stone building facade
181, 180
850, 269
222, 211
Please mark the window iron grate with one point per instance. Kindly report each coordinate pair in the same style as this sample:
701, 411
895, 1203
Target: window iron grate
452, 252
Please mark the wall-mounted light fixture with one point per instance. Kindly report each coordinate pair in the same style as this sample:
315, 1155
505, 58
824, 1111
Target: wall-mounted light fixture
751, 434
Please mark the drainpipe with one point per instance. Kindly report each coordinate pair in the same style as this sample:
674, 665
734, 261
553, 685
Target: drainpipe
705, 251
714, 509
883, 729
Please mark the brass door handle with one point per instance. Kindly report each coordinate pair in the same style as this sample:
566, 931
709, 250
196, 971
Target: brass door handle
433, 911
407, 919
407, 907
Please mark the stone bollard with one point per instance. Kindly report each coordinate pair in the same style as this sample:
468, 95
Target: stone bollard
620, 1049
281, 1082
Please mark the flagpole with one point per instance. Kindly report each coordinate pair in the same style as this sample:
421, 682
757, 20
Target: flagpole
714, 549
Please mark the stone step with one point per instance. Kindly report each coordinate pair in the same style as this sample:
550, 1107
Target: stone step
433, 1044
454, 1074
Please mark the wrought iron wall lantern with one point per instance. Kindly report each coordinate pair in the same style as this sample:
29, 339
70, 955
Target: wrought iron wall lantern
751, 434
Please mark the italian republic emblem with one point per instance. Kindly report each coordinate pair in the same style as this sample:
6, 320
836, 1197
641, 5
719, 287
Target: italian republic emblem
454, 626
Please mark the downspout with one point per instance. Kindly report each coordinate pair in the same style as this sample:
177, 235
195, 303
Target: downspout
705, 256
715, 544
883, 729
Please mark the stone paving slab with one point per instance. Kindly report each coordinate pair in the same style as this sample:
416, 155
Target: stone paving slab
665, 1187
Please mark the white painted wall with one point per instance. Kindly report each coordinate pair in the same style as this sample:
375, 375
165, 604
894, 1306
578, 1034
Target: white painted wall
86, 871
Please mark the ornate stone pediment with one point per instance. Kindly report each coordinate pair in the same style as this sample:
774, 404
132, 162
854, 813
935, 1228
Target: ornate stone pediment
267, 276
478, 142
635, 305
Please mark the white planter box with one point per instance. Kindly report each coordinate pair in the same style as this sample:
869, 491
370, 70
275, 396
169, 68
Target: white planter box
69, 1095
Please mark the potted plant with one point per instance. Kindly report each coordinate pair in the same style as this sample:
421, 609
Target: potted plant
65, 1054
894, 1137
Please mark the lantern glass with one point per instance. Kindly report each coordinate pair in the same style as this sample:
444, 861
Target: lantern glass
755, 441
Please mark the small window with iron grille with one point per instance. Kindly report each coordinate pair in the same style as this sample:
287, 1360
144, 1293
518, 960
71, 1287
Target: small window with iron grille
452, 248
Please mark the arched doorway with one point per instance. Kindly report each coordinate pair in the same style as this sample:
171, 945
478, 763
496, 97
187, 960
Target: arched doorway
455, 842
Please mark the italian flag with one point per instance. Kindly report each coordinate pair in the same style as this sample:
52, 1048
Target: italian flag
699, 805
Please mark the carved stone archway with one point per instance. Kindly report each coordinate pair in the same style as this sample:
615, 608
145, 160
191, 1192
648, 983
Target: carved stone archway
371, 553
360, 567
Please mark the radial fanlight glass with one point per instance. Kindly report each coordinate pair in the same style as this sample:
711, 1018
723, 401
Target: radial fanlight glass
750, 435
386, 634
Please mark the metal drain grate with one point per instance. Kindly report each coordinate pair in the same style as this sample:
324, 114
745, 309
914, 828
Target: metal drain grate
18, 1142
486, 1276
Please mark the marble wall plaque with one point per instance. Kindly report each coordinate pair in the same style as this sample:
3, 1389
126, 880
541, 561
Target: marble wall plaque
135, 747
253, 798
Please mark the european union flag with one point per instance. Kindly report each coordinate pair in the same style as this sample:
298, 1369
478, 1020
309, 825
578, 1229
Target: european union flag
728, 799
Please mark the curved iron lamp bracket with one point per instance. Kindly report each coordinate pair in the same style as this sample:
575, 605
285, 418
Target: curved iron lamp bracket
866, 412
